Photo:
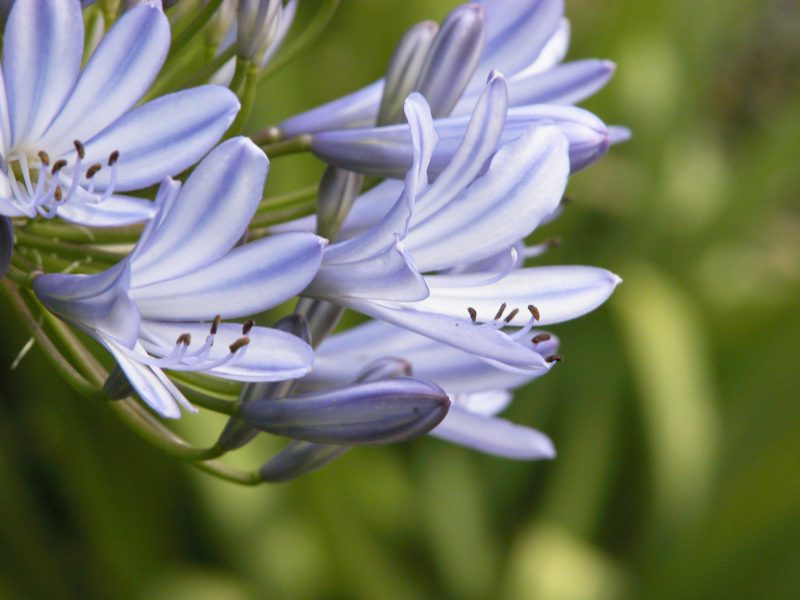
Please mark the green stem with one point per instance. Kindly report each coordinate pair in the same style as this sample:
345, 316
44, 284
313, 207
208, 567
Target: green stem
228, 473
66, 248
285, 200
216, 63
183, 35
295, 145
247, 96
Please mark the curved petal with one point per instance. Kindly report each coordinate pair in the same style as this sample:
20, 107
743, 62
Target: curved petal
494, 436
524, 184
42, 50
163, 137
271, 355
246, 281
116, 211
359, 109
560, 294
569, 83
388, 276
483, 342
96, 303
486, 404
208, 217
119, 73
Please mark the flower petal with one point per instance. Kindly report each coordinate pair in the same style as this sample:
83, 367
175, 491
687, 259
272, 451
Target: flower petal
494, 436
42, 50
246, 281
559, 293
116, 211
97, 303
208, 217
119, 73
163, 137
524, 184
271, 355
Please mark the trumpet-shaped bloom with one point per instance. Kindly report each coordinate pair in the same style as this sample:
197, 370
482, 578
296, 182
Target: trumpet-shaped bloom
161, 307
469, 214
526, 40
71, 139
478, 391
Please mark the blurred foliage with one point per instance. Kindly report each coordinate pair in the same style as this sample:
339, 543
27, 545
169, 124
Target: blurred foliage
678, 434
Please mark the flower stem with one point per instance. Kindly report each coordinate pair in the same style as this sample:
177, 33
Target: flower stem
228, 473
183, 35
295, 145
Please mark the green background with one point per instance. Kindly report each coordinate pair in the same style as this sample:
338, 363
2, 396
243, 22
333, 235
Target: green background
675, 413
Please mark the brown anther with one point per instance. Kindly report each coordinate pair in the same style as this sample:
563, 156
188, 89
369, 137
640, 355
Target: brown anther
473, 314
500, 311
215, 324
79, 148
58, 165
239, 344
248, 326
58, 194
92, 171
43, 156
184, 339
566, 200
542, 337
553, 242
534, 312
553, 358
511, 315
113, 157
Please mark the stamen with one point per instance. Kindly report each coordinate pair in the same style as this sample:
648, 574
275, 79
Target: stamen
184, 339
92, 170
554, 358
113, 158
44, 157
58, 165
473, 314
79, 148
239, 344
500, 311
534, 312
215, 324
58, 195
248, 326
541, 337
511, 315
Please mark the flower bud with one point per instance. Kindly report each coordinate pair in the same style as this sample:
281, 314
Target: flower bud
337, 191
377, 412
256, 22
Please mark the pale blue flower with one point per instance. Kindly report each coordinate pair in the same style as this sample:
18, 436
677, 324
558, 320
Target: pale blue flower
470, 213
160, 307
524, 39
71, 138
478, 391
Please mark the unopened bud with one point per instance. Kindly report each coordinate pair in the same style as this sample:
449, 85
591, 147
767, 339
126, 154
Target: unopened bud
337, 192
256, 22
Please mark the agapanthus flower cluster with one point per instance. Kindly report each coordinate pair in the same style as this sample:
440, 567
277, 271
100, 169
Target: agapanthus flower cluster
137, 242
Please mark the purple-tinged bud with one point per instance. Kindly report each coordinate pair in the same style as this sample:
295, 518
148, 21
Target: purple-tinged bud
338, 190
385, 368
379, 412
238, 433
453, 58
6, 244
408, 60
256, 22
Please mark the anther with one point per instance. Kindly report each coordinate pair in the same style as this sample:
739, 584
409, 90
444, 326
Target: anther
215, 324
554, 358
511, 315
92, 171
500, 311
58, 165
239, 344
113, 157
58, 194
541, 337
553, 242
534, 312
184, 339
80, 149
473, 314
248, 326
565, 200
44, 158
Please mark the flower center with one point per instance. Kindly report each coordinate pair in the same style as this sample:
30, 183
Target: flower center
40, 186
